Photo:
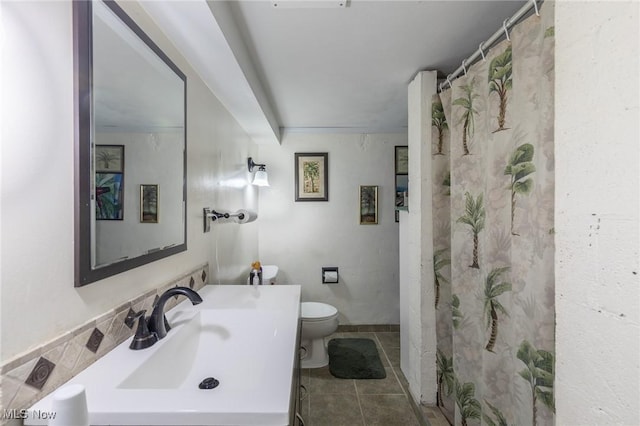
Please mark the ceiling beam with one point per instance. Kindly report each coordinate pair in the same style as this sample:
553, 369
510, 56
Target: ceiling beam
207, 37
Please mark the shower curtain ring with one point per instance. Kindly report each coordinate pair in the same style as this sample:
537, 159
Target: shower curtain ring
449, 81
504, 27
440, 86
481, 52
535, 6
464, 66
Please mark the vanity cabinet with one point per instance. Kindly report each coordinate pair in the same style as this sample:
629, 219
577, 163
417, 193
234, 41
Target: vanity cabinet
219, 338
295, 416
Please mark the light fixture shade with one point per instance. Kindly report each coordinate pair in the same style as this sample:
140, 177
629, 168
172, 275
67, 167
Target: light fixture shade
261, 178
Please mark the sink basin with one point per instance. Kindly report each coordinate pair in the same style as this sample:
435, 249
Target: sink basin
243, 336
213, 343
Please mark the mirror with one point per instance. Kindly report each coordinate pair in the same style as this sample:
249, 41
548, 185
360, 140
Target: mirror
130, 145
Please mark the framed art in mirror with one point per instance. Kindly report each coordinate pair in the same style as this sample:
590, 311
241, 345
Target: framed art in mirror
149, 203
368, 204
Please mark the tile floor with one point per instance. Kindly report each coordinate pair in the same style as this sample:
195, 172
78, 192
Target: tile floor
334, 402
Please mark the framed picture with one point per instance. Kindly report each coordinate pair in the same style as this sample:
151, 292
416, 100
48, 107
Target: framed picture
149, 203
368, 204
402, 188
312, 176
109, 196
109, 159
401, 176
402, 160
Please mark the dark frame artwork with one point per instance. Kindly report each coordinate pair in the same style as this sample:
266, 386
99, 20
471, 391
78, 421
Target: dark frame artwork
401, 167
311, 176
109, 182
109, 196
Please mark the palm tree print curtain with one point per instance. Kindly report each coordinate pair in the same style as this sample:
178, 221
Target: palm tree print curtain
493, 236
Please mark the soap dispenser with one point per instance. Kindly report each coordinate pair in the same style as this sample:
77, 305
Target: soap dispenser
255, 276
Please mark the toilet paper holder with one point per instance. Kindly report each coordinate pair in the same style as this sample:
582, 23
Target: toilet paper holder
330, 275
241, 216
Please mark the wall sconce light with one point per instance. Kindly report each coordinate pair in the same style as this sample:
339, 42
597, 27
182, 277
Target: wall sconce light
260, 178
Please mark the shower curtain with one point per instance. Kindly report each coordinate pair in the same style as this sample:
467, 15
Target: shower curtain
493, 235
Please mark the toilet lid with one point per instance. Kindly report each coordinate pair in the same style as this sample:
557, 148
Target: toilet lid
317, 310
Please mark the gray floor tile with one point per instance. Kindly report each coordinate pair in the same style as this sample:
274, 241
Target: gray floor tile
304, 376
334, 402
434, 415
373, 327
334, 410
347, 327
394, 356
388, 385
354, 335
322, 382
389, 339
304, 408
387, 410
403, 380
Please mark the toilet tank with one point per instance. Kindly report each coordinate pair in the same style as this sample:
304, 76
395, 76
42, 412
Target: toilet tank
269, 274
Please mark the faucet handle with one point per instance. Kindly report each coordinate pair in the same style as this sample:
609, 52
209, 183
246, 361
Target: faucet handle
143, 337
132, 316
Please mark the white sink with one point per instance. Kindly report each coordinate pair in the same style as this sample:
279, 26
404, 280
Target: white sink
243, 336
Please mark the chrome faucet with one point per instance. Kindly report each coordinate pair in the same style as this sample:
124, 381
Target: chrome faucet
157, 322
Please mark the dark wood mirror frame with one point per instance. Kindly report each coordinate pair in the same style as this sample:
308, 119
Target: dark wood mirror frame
83, 59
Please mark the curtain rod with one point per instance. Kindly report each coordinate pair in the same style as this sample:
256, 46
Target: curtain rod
504, 31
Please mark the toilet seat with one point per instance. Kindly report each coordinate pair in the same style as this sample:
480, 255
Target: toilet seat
315, 311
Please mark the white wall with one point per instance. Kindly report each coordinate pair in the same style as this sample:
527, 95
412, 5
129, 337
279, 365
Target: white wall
38, 300
597, 213
419, 329
146, 157
302, 237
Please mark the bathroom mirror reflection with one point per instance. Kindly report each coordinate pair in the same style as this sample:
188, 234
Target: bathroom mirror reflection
131, 131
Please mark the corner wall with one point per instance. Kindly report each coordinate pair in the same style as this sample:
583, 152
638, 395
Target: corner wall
597, 213
39, 301
420, 330
301, 237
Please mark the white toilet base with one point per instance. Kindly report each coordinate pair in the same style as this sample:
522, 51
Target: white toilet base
316, 355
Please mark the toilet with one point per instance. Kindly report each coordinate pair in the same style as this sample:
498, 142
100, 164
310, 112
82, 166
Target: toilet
319, 320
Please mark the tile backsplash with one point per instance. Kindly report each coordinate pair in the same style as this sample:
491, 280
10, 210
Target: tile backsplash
31, 376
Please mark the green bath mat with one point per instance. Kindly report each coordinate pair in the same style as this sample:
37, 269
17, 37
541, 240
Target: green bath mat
355, 359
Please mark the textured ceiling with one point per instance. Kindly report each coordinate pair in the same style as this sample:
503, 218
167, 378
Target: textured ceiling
349, 67
324, 69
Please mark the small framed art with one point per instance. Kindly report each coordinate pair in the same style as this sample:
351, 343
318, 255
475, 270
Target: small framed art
402, 160
149, 203
368, 204
109, 159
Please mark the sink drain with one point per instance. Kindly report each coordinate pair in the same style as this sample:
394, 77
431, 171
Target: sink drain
209, 383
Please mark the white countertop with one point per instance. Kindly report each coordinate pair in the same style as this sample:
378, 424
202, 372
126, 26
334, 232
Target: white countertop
244, 336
